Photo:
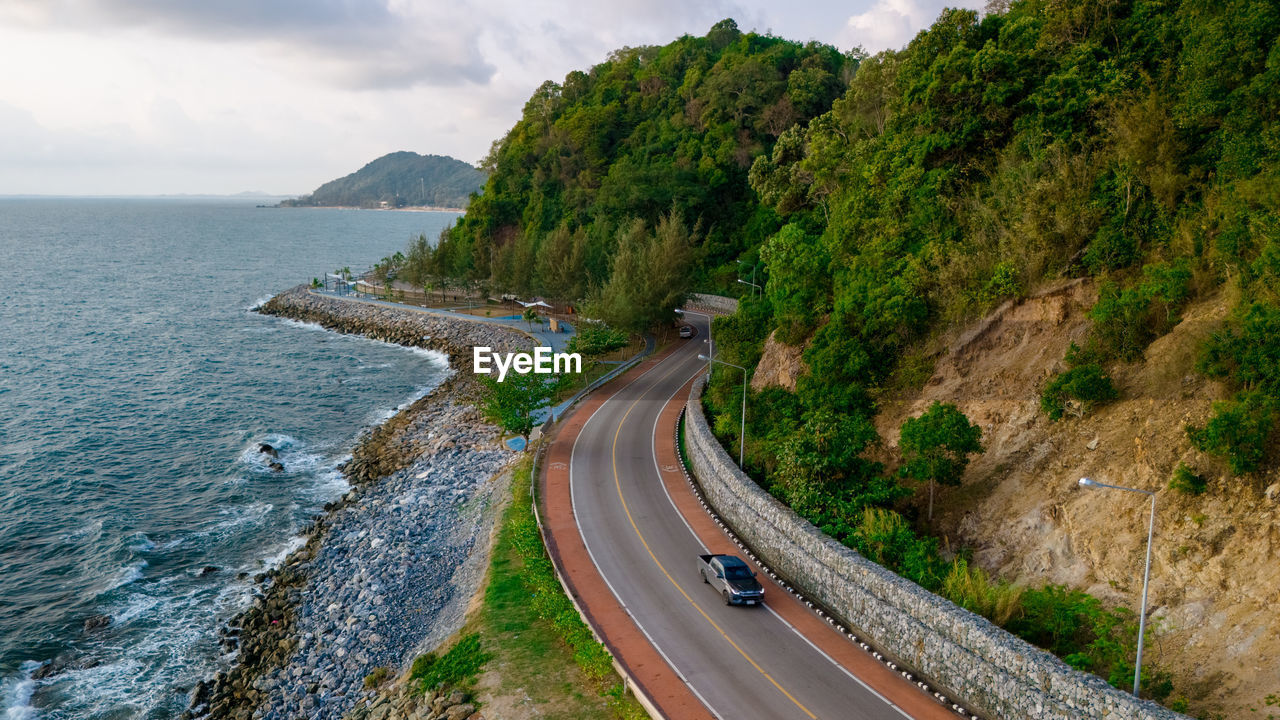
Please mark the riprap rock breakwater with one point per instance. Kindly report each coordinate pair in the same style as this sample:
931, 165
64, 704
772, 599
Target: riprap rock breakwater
454, 336
388, 571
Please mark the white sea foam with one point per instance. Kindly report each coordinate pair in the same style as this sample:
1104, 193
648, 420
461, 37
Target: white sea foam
259, 302
273, 561
329, 484
16, 692
128, 574
236, 517
139, 542
301, 324
288, 453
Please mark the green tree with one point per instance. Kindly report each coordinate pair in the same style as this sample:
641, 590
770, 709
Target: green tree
650, 276
936, 446
512, 403
799, 281
562, 263
1087, 384
822, 475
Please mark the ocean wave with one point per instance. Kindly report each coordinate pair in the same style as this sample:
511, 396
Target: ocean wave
259, 302
275, 559
288, 453
128, 574
16, 692
328, 485
140, 543
93, 527
236, 517
434, 355
301, 324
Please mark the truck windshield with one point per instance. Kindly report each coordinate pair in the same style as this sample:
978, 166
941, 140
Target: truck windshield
737, 573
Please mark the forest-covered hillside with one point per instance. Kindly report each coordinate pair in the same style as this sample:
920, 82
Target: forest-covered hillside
399, 179
651, 132
881, 201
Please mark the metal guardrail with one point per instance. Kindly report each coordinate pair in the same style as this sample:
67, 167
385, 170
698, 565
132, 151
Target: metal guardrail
649, 346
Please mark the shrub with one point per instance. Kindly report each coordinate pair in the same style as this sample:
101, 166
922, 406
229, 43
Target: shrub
1003, 283
1111, 249
884, 537
1088, 384
377, 677
1238, 431
1076, 627
1125, 321
1247, 354
970, 587
593, 340
1185, 480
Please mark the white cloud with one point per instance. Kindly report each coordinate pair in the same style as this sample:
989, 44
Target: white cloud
160, 96
891, 24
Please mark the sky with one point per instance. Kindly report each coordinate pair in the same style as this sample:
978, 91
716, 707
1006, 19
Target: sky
149, 97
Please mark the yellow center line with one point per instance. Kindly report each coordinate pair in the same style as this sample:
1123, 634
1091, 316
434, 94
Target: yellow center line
618, 484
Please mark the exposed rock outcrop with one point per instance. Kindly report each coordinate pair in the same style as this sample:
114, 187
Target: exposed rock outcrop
780, 365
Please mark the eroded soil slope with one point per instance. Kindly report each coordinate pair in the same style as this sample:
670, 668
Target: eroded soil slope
1215, 571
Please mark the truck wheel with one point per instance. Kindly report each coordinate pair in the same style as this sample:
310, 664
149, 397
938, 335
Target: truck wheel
727, 601
703, 573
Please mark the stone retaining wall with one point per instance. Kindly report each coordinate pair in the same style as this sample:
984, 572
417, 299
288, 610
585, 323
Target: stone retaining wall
989, 669
712, 303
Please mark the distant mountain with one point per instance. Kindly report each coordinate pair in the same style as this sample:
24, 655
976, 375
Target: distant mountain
398, 180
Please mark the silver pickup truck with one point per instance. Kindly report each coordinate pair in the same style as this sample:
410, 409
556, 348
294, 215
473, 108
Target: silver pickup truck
732, 577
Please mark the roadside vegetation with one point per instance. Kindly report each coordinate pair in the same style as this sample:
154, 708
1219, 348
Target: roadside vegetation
541, 646
525, 649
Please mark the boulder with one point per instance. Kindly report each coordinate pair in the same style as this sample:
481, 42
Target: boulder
459, 712
49, 669
266, 449
96, 622
275, 466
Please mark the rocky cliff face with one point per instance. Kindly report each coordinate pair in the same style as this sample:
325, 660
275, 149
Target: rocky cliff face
1215, 579
779, 366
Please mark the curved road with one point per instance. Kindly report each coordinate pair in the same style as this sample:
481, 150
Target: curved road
741, 662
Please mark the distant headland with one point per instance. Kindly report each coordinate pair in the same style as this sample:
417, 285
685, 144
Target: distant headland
398, 181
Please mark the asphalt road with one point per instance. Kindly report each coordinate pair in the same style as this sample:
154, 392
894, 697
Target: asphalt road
742, 662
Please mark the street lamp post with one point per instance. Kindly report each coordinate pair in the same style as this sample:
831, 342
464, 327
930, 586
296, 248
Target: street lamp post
742, 433
753, 280
1146, 574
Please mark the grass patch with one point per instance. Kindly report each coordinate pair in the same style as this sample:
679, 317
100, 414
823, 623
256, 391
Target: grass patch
459, 665
540, 648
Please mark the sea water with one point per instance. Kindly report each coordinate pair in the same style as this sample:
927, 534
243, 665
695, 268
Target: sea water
135, 389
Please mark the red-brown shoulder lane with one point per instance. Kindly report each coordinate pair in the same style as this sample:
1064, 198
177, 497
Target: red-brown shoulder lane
607, 617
